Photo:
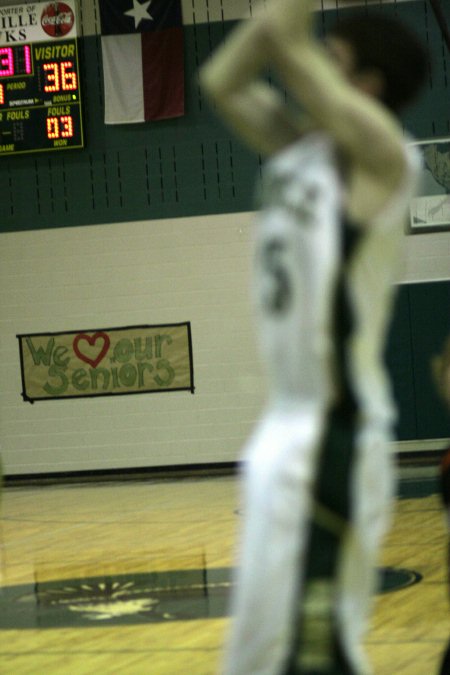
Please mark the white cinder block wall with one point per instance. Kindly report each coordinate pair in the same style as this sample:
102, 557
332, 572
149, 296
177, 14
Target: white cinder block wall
194, 269
426, 257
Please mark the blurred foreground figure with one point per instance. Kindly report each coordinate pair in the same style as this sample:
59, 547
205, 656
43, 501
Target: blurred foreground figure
335, 192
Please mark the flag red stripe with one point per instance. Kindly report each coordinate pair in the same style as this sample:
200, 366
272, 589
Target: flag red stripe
163, 73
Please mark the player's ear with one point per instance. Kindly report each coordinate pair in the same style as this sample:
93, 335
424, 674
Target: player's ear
371, 82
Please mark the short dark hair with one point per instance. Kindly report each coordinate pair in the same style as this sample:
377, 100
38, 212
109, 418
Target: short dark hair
386, 44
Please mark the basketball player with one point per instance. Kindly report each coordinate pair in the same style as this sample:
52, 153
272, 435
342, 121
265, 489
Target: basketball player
335, 191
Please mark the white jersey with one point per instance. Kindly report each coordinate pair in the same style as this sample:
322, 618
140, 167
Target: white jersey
299, 260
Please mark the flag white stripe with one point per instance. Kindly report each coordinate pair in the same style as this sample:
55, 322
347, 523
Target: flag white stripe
124, 89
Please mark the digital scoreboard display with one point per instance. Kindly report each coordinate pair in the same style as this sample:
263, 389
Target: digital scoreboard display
40, 103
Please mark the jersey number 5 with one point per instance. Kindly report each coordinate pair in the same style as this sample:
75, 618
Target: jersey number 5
278, 296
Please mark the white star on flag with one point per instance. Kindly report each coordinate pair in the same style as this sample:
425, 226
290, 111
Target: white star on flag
139, 12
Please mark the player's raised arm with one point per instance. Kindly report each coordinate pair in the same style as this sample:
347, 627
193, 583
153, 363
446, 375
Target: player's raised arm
341, 94
232, 79
339, 98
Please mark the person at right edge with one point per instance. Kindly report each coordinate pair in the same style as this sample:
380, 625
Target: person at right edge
335, 192
441, 372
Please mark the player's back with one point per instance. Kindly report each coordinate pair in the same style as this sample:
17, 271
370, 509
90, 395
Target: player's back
297, 260
323, 286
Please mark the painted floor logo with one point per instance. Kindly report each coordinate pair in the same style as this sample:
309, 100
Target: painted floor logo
176, 595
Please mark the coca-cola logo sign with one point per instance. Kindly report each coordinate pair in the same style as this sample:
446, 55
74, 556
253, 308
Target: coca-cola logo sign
57, 19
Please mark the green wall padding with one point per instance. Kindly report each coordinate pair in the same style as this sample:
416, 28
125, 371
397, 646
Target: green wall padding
399, 360
421, 324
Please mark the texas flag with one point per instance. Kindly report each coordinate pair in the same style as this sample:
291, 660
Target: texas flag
143, 65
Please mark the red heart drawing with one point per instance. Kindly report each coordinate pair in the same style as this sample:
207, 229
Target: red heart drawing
92, 339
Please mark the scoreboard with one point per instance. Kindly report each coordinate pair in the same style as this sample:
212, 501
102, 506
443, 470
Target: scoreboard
40, 103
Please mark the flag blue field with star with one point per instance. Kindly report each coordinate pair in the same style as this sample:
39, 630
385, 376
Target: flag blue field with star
143, 60
119, 17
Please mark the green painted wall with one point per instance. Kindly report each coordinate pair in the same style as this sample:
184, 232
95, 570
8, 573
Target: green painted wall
184, 167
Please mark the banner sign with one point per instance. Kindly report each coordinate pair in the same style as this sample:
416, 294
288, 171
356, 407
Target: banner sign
106, 362
37, 22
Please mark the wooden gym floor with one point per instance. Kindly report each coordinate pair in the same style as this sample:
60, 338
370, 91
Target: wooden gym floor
131, 578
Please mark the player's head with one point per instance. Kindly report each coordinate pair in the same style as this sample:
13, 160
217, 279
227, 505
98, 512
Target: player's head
381, 56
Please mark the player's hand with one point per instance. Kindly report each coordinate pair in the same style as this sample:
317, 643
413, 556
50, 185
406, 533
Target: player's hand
289, 19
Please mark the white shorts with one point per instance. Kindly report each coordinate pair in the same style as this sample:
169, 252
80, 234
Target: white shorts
281, 463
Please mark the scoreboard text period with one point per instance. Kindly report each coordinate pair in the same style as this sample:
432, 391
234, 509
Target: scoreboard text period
40, 104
